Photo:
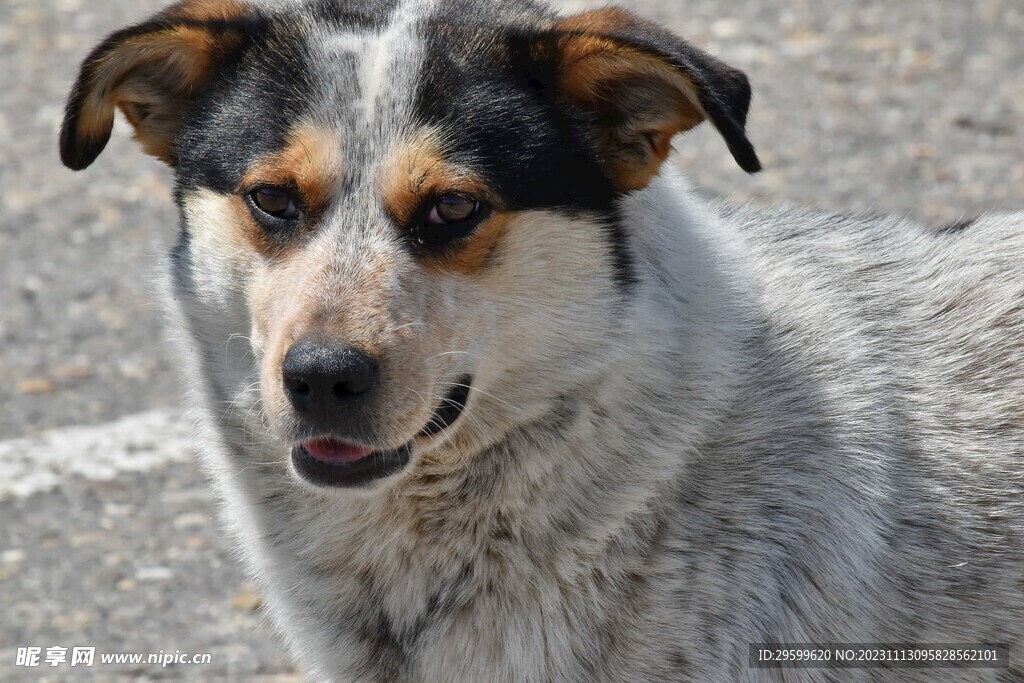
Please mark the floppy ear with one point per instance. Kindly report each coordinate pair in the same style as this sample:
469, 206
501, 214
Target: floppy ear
639, 85
152, 72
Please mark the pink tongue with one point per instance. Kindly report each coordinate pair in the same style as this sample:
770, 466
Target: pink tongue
329, 450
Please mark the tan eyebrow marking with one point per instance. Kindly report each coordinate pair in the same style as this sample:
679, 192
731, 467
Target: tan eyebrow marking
310, 161
419, 169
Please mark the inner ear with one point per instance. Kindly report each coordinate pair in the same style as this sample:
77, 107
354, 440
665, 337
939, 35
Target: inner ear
639, 85
152, 72
636, 107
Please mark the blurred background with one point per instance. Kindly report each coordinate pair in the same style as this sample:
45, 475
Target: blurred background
108, 535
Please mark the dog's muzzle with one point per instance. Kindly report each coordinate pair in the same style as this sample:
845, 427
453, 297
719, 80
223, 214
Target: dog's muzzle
328, 461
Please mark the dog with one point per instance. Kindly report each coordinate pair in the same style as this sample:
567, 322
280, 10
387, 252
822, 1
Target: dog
490, 394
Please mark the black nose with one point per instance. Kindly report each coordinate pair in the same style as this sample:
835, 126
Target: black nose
327, 380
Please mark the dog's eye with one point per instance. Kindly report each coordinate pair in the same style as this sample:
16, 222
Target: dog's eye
275, 202
452, 217
453, 209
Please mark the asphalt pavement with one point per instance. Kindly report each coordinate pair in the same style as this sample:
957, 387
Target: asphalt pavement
108, 534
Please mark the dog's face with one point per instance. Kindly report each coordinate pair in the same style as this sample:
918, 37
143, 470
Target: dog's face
409, 208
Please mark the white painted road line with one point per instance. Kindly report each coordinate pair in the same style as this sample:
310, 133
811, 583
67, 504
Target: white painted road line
135, 443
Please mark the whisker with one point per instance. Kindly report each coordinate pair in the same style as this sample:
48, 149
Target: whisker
402, 327
450, 353
246, 338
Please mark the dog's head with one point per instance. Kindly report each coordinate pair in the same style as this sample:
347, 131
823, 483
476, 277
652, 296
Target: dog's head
410, 208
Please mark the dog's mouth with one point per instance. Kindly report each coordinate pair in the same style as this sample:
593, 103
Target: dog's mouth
328, 461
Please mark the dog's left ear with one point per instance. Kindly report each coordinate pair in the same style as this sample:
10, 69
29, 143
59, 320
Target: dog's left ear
639, 85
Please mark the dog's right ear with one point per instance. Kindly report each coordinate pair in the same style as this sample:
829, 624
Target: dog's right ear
152, 72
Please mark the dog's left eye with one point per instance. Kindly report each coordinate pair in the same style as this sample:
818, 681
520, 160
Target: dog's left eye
451, 218
452, 209
274, 202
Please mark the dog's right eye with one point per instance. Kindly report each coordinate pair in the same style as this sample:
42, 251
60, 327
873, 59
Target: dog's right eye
274, 202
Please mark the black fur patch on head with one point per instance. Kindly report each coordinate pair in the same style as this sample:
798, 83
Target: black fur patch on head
353, 14
246, 114
481, 84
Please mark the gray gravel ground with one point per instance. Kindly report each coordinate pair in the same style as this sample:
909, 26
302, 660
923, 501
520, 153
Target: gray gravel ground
866, 105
